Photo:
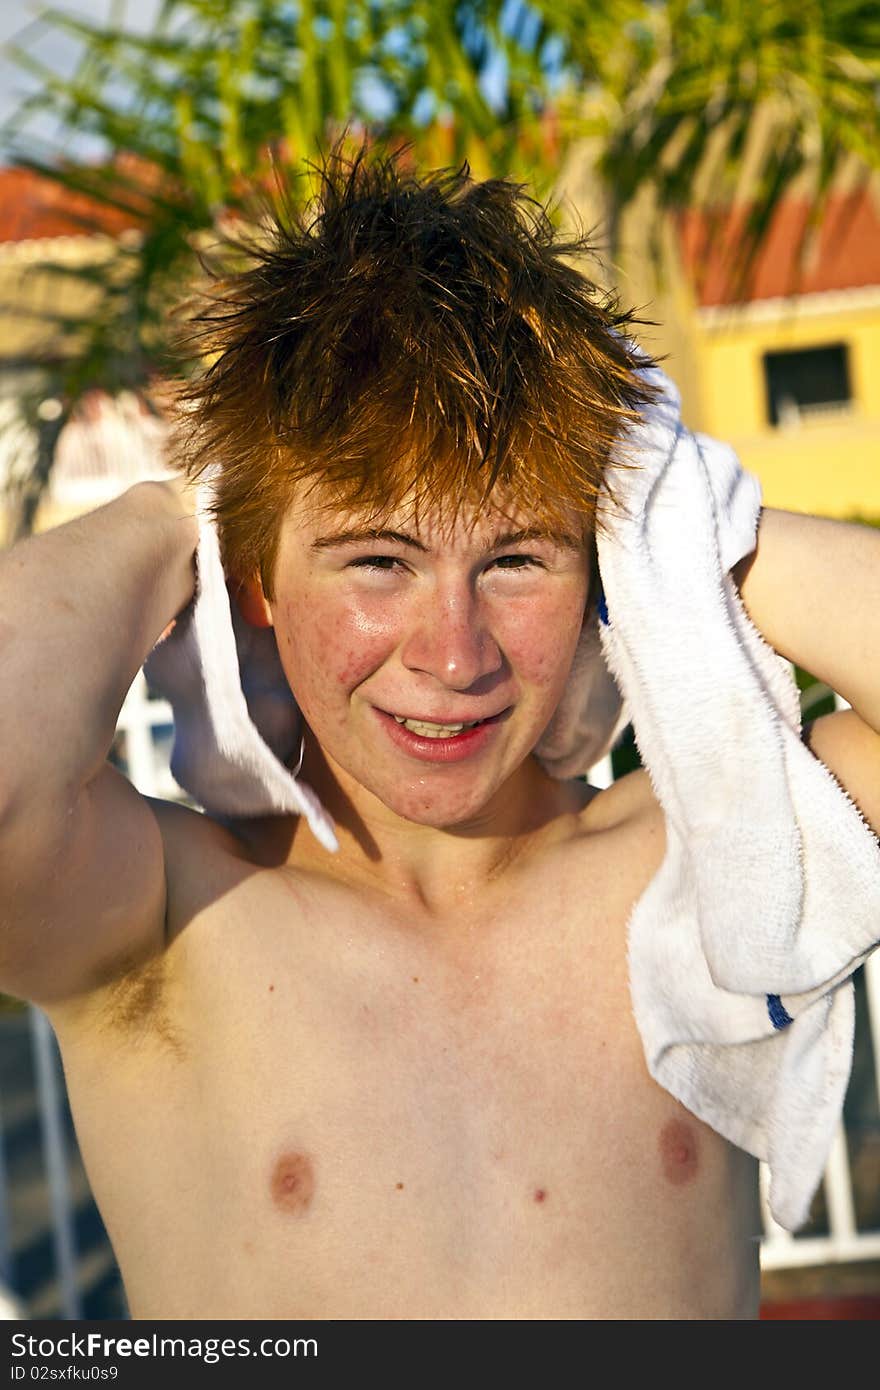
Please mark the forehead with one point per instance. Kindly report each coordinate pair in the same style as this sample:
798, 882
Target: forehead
320, 523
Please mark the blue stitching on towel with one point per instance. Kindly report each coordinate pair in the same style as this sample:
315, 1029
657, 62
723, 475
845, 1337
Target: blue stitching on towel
603, 609
779, 1015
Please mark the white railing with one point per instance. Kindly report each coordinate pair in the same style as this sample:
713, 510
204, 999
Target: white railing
51, 1106
145, 759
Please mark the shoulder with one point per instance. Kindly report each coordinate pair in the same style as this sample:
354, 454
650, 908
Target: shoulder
185, 829
630, 800
621, 831
204, 860
194, 841
850, 749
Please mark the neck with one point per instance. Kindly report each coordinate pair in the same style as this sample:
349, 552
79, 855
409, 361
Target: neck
435, 869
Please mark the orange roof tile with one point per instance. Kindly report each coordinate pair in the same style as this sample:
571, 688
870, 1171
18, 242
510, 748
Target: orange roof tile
33, 207
844, 255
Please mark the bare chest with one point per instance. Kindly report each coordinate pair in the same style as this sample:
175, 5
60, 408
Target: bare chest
473, 1115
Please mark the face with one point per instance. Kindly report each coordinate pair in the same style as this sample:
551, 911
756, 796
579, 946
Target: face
474, 624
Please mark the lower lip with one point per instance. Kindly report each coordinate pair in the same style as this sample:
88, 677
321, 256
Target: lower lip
440, 750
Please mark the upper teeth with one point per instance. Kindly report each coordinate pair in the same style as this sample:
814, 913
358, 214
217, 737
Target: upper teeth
422, 726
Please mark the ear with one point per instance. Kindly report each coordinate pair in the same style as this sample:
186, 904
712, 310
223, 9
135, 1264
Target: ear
252, 603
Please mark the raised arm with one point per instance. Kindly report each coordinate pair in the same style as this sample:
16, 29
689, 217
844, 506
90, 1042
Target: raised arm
812, 588
82, 883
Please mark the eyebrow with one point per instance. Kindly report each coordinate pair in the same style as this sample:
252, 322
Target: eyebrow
368, 534
529, 533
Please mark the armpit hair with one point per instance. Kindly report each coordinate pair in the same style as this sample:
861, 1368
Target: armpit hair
136, 1004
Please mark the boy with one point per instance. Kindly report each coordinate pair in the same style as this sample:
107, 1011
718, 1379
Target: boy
401, 1080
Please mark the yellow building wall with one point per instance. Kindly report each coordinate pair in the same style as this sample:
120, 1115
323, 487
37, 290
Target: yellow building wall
830, 464
827, 465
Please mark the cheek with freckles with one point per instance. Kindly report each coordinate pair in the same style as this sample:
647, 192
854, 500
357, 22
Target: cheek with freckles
539, 641
329, 647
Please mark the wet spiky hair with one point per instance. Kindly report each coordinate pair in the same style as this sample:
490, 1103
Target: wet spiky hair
405, 339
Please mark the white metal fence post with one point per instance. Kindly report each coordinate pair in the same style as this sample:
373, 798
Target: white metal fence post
5, 1240
49, 1096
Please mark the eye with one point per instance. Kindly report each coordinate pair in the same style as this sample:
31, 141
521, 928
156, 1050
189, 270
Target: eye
384, 564
518, 562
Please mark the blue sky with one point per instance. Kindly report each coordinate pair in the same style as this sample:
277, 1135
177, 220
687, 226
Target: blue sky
23, 15
20, 20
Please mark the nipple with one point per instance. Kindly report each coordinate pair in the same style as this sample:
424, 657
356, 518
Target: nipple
292, 1184
679, 1153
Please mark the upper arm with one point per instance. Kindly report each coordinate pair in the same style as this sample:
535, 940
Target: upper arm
851, 750
83, 891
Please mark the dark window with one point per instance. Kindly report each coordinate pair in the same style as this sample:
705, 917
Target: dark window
807, 382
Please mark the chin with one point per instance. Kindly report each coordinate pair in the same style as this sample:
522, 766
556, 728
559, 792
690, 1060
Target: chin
432, 818
438, 798
436, 810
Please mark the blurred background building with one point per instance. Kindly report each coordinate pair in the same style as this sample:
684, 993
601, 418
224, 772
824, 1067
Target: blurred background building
727, 157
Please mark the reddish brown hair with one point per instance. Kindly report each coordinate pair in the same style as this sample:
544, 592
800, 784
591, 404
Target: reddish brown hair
405, 338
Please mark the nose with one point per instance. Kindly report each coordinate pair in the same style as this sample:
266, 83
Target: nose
451, 641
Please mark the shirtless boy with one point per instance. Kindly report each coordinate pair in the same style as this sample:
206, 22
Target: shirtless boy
401, 1081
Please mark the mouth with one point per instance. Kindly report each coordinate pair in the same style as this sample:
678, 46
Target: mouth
428, 728
434, 740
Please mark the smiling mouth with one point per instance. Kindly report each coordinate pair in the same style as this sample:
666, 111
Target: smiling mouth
429, 730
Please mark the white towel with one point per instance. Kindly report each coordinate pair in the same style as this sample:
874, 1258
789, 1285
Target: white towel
742, 947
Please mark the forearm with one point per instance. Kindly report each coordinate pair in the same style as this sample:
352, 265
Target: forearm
81, 608
812, 588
